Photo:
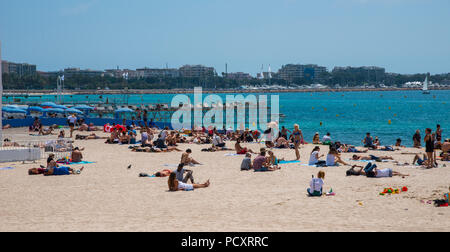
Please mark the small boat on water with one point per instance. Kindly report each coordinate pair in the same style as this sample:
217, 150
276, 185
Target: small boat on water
425, 86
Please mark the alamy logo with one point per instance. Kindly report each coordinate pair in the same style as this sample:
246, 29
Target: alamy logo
240, 112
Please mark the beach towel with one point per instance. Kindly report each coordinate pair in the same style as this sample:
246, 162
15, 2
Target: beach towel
308, 165
6, 168
76, 163
175, 165
368, 161
233, 154
289, 162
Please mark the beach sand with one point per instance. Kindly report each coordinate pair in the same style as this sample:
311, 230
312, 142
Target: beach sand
109, 197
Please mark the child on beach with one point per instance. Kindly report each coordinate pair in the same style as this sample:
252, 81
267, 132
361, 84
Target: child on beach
316, 185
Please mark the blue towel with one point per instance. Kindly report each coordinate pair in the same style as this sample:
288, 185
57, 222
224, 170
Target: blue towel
6, 168
82, 162
289, 162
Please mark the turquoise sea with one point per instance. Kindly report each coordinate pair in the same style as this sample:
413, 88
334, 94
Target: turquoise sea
346, 115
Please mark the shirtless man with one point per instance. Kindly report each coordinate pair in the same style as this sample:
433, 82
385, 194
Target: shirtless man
240, 150
77, 156
186, 160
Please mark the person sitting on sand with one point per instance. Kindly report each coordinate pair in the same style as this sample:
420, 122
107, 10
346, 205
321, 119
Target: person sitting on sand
175, 185
217, 141
186, 160
398, 143
420, 161
326, 140
314, 157
125, 138
368, 142
246, 164
45, 132
316, 138
240, 150
376, 142
273, 160
36, 125
316, 185
371, 157
261, 164
180, 171
333, 158
76, 156
114, 137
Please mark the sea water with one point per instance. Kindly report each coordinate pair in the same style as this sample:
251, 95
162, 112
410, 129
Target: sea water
347, 116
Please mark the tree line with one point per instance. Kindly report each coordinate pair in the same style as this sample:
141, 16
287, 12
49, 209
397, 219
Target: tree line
39, 82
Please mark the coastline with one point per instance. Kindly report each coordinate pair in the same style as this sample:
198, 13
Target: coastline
209, 91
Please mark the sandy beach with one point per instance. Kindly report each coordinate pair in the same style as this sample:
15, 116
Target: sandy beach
109, 197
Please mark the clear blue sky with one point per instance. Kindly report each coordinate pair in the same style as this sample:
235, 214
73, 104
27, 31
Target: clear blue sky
405, 36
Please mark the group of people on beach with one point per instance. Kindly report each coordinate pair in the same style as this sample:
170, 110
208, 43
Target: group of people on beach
157, 140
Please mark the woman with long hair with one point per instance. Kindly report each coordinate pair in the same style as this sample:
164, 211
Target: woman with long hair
298, 139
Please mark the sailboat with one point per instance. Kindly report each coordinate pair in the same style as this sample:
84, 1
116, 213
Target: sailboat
425, 86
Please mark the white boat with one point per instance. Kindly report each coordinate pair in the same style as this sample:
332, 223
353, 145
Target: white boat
425, 86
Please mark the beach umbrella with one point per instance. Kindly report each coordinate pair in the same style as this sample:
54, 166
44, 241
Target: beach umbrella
124, 110
83, 107
272, 125
73, 111
54, 110
13, 110
37, 109
48, 104
60, 107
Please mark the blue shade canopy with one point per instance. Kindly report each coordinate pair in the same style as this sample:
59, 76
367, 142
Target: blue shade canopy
83, 107
13, 110
124, 110
37, 109
48, 104
60, 107
73, 111
54, 110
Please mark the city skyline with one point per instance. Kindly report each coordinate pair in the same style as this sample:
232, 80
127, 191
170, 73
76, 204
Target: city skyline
399, 35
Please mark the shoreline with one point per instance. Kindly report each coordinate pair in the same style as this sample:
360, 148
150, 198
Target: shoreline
209, 91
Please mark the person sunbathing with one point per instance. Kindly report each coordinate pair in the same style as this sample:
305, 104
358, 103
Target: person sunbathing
282, 143
153, 149
92, 136
316, 138
45, 132
175, 185
114, 137
273, 160
371, 157
240, 150
383, 173
62, 170
186, 160
419, 160
353, 172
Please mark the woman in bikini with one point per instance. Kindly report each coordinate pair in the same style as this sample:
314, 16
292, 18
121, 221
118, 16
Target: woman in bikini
298, 139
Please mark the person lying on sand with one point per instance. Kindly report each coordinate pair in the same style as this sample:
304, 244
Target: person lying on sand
371, 157
353, 172
186, 159
175, 185
153, 149
383, 173
62, 170
92, 136
282, 143
240, 150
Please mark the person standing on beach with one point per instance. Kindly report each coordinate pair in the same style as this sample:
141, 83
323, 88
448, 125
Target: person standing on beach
438, 133
71, 120
298, 139
429, 148
145, 117
416, 139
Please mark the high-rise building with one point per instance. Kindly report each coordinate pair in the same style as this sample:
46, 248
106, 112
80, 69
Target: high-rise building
157, 72
291, 72
20, 69
238, 76
197, 71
